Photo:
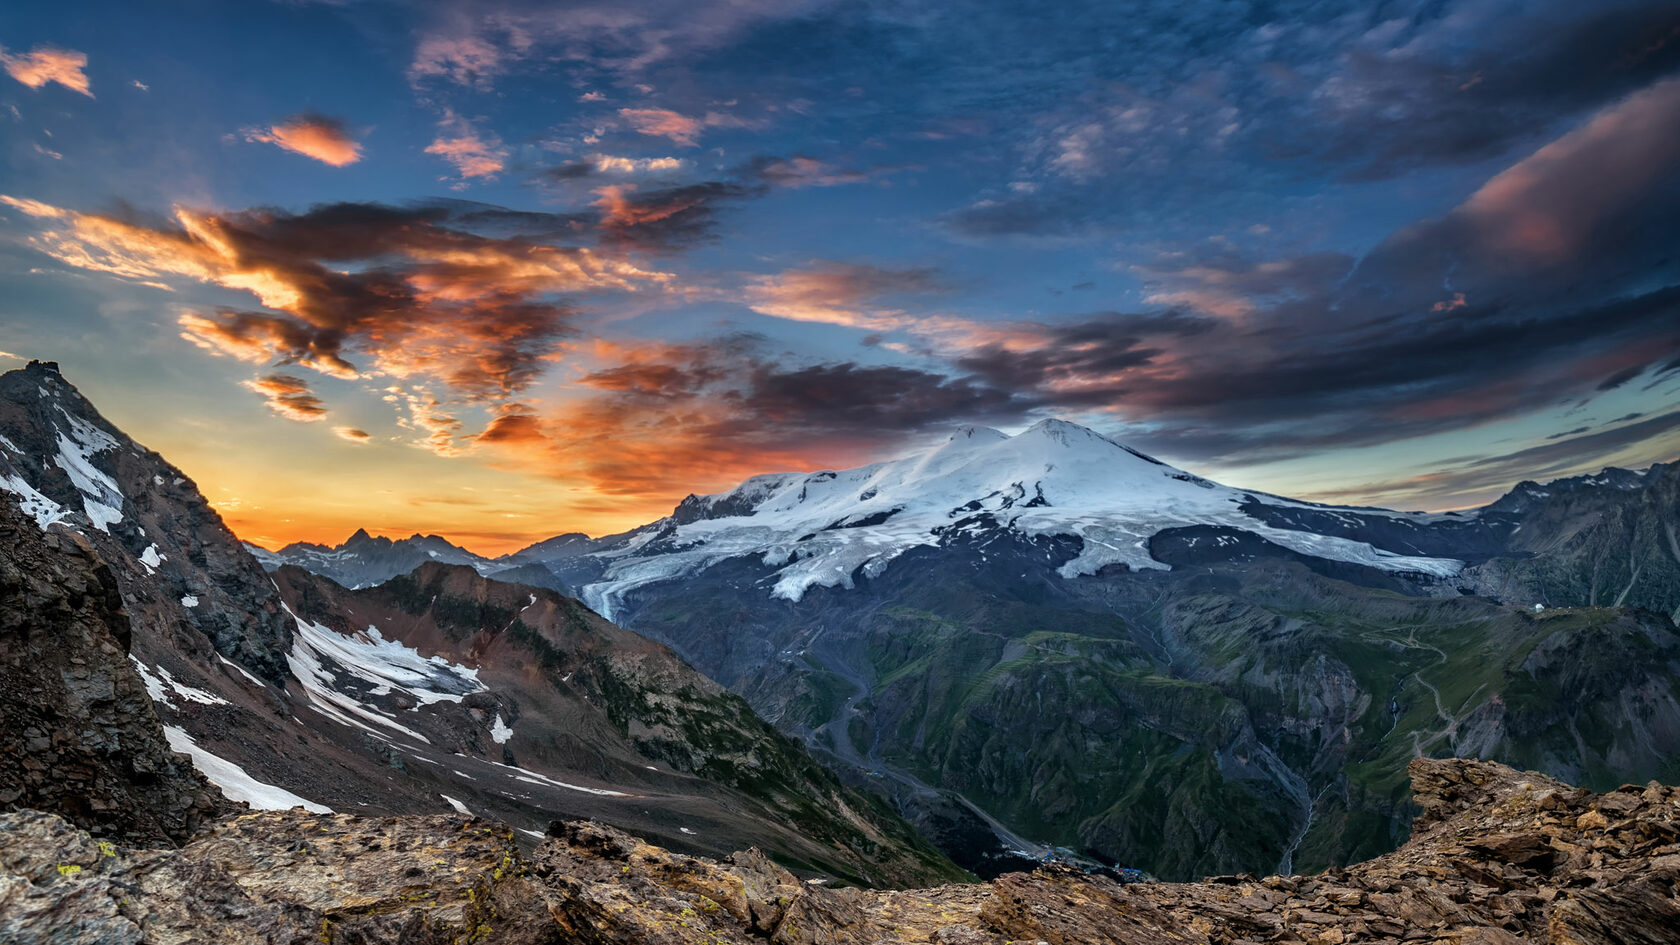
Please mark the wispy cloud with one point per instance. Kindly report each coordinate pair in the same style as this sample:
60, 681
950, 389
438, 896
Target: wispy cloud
677, 127
841, 294
475, 154
466, 60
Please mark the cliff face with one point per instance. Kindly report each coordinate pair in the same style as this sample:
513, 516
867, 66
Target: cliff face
78, 734
1498, 857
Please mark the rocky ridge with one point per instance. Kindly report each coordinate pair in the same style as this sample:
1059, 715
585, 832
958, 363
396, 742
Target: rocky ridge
78, 733
1498, 857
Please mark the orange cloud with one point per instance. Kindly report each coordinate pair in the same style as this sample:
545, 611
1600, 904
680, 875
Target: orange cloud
1448, 305
473, 154
352, 434
45, 64
316, 136
290, 397
461, 317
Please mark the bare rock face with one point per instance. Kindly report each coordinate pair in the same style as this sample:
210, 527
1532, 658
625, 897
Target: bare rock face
78, 734
1500, 857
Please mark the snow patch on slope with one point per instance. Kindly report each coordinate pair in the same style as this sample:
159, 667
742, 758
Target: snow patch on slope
242, 671
532, 777
160, 684
235, 783
324, 661
102, 500
37, 506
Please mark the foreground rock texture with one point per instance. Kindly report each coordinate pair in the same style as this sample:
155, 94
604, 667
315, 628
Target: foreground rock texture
78, 734
1498, 857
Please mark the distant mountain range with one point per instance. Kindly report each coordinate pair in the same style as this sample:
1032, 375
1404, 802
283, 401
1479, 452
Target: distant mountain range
364, 560
440, 691
1058, 640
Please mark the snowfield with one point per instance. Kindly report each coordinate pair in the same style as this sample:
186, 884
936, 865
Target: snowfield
324, 660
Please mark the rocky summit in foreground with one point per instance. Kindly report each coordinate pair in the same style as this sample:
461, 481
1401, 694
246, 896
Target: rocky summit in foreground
1497, 856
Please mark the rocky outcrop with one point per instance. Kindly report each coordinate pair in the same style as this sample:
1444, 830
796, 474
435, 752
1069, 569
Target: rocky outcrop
1499, 857
78, 734
1612, 539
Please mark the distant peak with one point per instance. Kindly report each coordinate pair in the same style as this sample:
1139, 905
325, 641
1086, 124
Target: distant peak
360, 535
43, 367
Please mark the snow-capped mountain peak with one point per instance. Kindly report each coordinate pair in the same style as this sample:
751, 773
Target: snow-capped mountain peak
1055, 478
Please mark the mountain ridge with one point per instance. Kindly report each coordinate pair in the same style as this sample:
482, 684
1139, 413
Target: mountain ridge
278, 707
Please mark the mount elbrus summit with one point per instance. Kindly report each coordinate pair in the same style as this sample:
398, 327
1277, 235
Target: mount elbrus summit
1045, 652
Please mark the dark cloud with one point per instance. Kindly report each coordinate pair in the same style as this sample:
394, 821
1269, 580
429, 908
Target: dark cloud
1558, 278
1087, 363
1580, 454
668, 218
1439, 104
289, 396
1215, 115
1566, 433
850, 397
1620, 377
677, 216
668, 419
576, 170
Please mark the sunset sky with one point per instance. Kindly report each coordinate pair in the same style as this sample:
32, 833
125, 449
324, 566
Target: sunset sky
503, 270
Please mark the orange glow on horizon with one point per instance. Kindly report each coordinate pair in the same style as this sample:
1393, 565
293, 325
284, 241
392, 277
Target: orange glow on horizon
474, 531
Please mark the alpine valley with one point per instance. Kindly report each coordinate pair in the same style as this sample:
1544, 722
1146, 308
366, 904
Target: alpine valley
1050, 644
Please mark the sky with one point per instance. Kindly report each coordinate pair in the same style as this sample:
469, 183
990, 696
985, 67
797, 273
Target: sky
504, 270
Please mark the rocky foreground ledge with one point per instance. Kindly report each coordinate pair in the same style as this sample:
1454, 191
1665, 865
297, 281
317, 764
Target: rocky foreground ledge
1497, 856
